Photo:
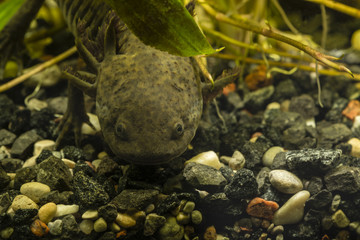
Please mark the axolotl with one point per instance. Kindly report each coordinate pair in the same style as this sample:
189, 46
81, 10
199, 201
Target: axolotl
149, 102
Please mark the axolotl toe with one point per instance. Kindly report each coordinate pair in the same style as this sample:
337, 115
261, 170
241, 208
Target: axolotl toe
149, 104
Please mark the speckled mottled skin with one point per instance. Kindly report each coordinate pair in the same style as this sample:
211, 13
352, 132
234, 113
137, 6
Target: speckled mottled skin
149, 93
149, 102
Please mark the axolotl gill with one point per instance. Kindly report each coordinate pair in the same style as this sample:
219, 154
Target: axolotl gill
149, 102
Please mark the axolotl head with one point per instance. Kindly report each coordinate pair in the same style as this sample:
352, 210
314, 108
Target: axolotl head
149, 105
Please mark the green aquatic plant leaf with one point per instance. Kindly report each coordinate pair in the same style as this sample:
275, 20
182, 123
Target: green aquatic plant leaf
163, 24
7, 9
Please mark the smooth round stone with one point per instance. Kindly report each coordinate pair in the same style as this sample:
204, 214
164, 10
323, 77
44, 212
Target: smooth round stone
273, 105
114, 227
36, 104
55, 228
339, 219
189, 207
90, 214
171, 230
30, 162
47, 212
355, 147
196, 217
293, 210
34, 190
150, 208
206, 158
63, 210
125, 221
43, 144
94, 120
270, 154
285, 182
6, 232
69, 163
23, 202
100, 225
183, 218
86, 226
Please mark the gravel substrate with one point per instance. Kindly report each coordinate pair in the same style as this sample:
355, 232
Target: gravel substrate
278, 167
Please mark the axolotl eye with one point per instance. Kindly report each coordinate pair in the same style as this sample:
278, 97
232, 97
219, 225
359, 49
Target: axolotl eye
120, 130
178, 130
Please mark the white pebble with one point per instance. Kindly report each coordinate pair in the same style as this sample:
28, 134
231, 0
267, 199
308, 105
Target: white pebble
293, 210
206, 158
30, 162
86, 226
310, 122
285, 182
36, 104
34, 190
23, 202
237, 161
94, 120
90, 214
63, 210
270, 154
43, 144
69, 163
355, 147
273, 105
47, 212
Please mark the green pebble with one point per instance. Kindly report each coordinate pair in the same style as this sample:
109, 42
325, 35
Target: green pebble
171, 230
183, 218
196, 217
6, 233
189, 207
340, 220
100, 225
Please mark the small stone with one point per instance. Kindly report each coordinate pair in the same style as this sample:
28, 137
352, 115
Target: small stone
47, 212
86, 226
89, 192
242, 186
261, 208
71, 164
108, 212
6, 137
125, 221
55, 227
100, 225
4, 179
320, 200
171, 230
63, 210
352, 109
237, 161
70, 227
10, 165
139, 199
270, 154
43, 144
90, 214
54, 173
114, 227
196, 217
293, 210
58, 104
5, 202
189, 207
94, 120
39, 228
23, 143
355, 147
30, 162
35, 104
24, 175
277, 230
6, 232
149, 208
210, 233
344, 179
335, 203
34, 190
23, 202
340, 220
152, 223
285, 182
333, 134
204, 177
206, 158
303, 105
183, 218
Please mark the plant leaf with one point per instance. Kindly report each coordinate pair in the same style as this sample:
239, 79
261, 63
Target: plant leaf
7, 9
163, 24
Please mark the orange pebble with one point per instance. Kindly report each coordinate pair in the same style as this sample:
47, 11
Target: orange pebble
352, 109
121, 234
261, 208
258, 78
229, 88
210, 233
39, 228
